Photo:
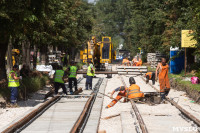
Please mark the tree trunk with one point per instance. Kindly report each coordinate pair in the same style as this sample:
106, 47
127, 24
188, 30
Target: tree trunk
9, 56
43, 51
27, 47
4, 38
23, 53
35, 57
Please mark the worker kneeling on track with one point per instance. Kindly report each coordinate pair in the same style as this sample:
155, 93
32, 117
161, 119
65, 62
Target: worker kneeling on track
133, 92
150, 76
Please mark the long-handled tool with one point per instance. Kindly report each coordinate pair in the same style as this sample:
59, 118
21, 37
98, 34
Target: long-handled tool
119, 100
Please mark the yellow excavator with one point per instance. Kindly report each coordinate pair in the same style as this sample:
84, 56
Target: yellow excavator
100, 53
15, 54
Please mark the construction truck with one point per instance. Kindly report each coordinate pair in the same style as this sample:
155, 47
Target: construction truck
101, 54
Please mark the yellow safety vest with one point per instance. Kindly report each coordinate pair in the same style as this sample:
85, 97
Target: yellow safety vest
72, 71
12, 82
58, 76
89, 73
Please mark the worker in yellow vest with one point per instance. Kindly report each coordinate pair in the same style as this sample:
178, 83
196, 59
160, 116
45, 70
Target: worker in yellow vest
133, 92
59, 80
90, 75
72, 76
13, 84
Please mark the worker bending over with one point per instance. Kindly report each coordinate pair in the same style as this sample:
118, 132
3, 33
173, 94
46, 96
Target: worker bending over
72, 76
150, 76
163, 68
133, 92
59, 80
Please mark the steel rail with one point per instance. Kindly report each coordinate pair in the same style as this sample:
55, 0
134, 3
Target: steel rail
52, 91
84, 116
138, 115
20, 123
185, 112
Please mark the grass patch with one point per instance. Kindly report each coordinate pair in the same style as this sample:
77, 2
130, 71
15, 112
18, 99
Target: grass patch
179, 79
149, 69
190, 85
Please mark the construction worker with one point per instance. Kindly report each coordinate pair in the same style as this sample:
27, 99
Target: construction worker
139, 63
150, 76
59, 80
90, 75
13, 84
134, 61
72, 76
163, 68
125, 62
133, 92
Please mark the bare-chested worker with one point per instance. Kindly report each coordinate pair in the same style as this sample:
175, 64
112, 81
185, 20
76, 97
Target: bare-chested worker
163, 68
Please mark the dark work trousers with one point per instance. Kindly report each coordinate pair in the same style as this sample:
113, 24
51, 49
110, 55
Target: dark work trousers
70, 84
88, 82
58, 85
13, 94
152, 78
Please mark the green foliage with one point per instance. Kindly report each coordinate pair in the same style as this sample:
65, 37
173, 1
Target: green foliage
197, 74
79, 65
64, 23
32, 84
152, 25
179, 79
29, 85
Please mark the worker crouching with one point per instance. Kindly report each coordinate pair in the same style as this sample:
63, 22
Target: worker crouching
133, 92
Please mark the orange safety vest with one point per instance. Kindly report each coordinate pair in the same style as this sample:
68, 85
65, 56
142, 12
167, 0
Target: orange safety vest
149, 74
163, 78
134, 91
139, 63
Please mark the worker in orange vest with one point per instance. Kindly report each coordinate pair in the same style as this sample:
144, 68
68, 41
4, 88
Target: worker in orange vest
133, 92
150, 76
163, 69
134, 61
126, 62
139, 63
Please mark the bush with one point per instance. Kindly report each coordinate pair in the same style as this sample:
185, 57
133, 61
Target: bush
79, 65
197, 74
27, 85
33, 84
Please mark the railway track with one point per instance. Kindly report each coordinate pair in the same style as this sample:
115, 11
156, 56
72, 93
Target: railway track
150, 119
137, 113
63, 113
183, 111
